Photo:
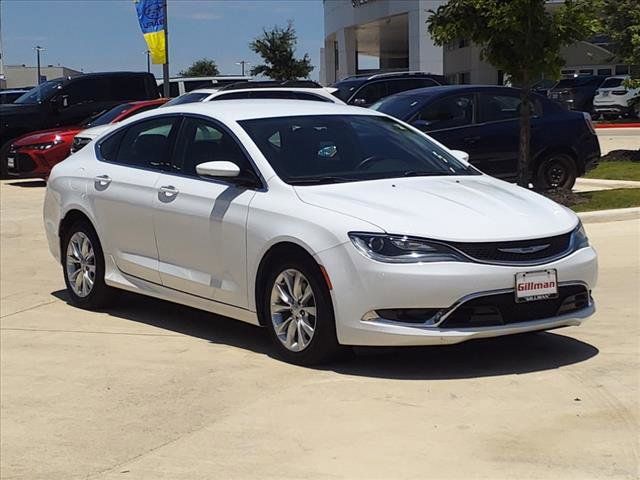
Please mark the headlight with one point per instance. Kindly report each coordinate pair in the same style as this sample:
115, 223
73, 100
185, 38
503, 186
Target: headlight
579, 238
44, 145
79, 143
402, 249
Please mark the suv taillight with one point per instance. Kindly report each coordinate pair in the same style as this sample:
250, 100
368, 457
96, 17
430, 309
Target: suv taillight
589, 122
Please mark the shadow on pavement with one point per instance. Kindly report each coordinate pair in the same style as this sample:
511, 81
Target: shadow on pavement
29, 183
517, 354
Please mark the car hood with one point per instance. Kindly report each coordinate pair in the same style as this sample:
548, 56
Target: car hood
44, 136
95, 132
456, 208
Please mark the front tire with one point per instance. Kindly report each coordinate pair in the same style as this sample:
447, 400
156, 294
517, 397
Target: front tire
83, 267
557, 170
298, 312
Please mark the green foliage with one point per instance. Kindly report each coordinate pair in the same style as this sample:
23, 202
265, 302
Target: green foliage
204, 67
621, 22
521, 37
277, 48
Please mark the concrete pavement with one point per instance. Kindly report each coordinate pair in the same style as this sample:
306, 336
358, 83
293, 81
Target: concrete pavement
151, 390
618, 139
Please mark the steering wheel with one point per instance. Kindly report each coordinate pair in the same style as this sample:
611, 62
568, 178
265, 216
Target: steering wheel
366, 163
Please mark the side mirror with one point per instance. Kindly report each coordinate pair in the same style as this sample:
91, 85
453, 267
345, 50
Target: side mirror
359, 102
61, 101
460, 155
218, 169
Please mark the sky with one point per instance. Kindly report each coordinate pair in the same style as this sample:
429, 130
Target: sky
104, 35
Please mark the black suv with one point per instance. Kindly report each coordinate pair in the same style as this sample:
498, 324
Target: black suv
68, 101
577, 93
365, 90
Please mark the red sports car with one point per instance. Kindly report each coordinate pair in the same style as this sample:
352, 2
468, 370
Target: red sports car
33, 155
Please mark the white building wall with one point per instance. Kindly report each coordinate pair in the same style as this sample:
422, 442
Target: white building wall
341, 18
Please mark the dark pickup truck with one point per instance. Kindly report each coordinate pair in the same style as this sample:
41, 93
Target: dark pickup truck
68, 101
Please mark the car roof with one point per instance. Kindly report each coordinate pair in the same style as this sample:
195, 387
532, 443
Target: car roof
261, 89
237, 110
442, 89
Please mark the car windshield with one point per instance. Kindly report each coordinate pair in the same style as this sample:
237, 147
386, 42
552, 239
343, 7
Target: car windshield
345, 89
41, 92
108, 116
398, 106
319, 149
187, 98
612, 82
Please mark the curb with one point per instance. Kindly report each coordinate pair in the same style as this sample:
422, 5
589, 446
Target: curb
615, 215
617, 125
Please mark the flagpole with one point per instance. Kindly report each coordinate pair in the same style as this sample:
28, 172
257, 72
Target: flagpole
165, 66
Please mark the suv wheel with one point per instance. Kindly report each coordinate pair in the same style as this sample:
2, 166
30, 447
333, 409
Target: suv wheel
557, 170
298, 312
83, 267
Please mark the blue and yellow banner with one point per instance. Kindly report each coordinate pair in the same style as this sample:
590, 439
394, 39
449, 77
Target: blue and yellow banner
152, 19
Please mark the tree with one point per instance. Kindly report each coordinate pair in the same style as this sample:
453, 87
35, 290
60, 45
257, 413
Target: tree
520, 37
621, 23
205, 67
277, 49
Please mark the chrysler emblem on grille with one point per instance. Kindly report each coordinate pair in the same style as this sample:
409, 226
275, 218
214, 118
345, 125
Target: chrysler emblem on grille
532, 249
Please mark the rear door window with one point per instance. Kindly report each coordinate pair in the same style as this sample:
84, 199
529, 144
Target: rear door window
127, 88
495, 108
450, 112
146, 144
371, 93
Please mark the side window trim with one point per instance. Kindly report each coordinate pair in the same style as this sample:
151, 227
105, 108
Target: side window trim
123, 130
225, 130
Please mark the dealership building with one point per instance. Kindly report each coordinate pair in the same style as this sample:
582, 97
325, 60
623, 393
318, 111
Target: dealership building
368, 36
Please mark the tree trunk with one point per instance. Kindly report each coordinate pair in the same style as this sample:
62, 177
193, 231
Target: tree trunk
524, 172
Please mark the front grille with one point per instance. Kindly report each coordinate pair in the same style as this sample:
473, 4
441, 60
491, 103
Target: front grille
520, 251
502, 309
23, 162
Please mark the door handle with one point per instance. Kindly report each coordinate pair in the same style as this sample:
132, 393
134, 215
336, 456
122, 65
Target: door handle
102, 181
168, 191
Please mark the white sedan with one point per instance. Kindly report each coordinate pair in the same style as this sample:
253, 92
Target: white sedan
329, 225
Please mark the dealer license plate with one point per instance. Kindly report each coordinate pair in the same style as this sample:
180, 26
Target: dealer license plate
538, 285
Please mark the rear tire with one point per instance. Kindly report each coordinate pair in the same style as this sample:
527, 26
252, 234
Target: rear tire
83, 267
298, 312
557, 170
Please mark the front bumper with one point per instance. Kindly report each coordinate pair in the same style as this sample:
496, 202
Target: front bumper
361, 285
611, 108
30, 163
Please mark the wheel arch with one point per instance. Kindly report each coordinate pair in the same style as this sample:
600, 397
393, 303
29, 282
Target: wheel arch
70, 217
273, 253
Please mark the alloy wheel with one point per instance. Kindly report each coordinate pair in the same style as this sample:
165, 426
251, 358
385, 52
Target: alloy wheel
293, 310
81, 264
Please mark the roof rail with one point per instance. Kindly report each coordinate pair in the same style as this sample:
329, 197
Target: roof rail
391, 74
272, 84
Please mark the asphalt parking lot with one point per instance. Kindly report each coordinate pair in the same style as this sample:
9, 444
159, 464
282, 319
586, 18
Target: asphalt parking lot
151, 390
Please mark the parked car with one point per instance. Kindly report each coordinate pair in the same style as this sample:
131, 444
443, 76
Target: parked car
613, 98
365, 90
292, 90
33, 155
484, 121
69, 101
113, 116
329, 225
10, 95
577, 93
181, 85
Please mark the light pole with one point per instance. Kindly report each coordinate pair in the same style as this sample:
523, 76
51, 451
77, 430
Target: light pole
148, 52
242, 63
38, 49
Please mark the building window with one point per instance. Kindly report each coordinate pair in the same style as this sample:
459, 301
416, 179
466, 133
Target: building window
336, 56
622, 69
464, 78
